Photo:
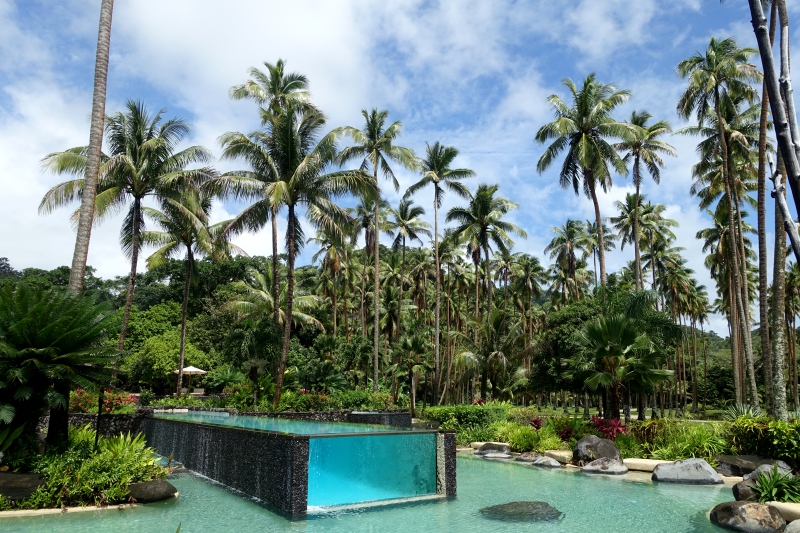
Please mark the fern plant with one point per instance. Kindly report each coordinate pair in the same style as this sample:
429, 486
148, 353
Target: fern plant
774, 486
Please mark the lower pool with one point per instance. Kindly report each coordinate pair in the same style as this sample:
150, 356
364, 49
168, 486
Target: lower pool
595, 504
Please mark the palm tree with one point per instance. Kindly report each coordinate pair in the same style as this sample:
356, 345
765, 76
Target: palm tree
481, 223
436, 171
564, 247
723, 74
142, 161
185, 226
375, 147
91, 175
584, 130
408, 225
333, 249
644, 148
272, 90
589, 241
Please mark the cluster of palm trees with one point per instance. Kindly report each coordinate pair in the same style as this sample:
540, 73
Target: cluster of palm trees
488, 303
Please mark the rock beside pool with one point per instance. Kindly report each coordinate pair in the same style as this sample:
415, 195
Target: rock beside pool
493, 447
593, 447
743, 491
527, 457
496, 455
604, 465
19, 486
152, 491
793, 527
546, 462
742, 465
688, 471
522, 512
747, 516
783, 468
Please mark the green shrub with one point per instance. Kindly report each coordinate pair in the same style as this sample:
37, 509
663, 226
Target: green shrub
629, 446
5, 503
769, 438
523, 438
684, 440
83, 475
183, 401
549, 440
146, 397
773, 486
469, 415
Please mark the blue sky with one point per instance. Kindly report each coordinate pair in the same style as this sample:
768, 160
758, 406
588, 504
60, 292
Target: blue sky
471, 74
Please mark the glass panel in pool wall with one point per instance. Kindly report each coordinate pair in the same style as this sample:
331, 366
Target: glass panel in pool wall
345, 470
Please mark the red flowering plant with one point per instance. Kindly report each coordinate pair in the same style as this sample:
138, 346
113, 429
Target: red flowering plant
609, 429
114, 402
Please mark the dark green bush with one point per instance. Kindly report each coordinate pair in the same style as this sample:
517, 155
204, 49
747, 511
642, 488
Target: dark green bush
766, 437
468, 415
773, 486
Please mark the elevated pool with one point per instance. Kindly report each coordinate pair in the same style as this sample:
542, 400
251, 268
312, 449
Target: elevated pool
291, 465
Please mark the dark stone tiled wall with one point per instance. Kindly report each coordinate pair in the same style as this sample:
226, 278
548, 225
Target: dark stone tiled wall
267, 466
398, 418
110, 425
391, 418
450, 463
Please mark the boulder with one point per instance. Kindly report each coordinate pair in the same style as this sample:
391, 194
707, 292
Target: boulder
604, 465
493, 447
793, 527
522, 512
783, 468
592, 447
19, 486
496, 455
741, 465
547, 462
688, 471
527, 457
743, 491
152, 491
747, 516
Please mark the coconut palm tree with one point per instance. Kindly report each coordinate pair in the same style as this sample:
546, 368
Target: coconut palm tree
590, 242
644, 148
333, 250
564, 247
184, 224
584, 131
724, 74
481, 223
375, 147
436, 170
407, 223
142, 162
94, 152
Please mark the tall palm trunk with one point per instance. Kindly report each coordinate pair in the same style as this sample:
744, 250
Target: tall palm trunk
275, 270
376, 318
86, 216
402, 283
487, 280
181, 363
287, 328
126, 315
600, 240
778, 383
436, 319
333, 303
763, 286
637, 254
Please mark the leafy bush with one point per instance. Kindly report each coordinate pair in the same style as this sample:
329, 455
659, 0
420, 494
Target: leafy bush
681, 441
548, 440
183, 401
628, 446
523, 438
609, 429
469, 415
82, 475
773, 486
146, 397
766, 437
114, 402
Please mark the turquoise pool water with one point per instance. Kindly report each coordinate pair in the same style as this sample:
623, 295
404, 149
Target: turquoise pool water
345, 470
279, 425
599, 504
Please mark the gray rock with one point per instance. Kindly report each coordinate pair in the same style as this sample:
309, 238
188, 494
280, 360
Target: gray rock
793, 527
152, 491
604, 465
783, 468
592, 447
493, 447
19, 486
741, 465
743, 491
527, 457
522, 512
747, 516
496, 455
547, 462
688, 471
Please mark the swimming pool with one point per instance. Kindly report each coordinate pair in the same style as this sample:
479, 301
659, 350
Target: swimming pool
596, 504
